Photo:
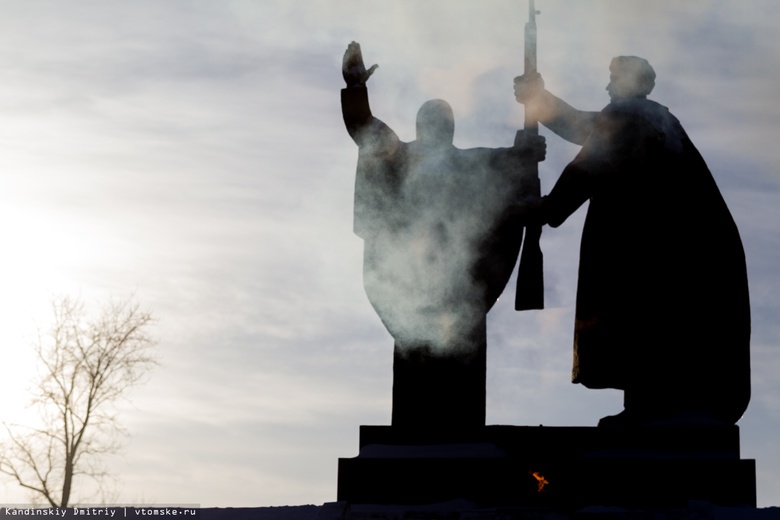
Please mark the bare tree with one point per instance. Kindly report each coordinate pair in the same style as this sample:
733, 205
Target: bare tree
87, 363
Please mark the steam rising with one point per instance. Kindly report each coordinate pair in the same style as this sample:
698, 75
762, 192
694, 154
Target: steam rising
439, 246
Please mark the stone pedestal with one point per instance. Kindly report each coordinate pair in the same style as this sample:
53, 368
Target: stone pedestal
563, 468
433, 389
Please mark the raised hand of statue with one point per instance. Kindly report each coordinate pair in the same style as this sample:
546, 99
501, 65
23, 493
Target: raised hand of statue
531, 147
528, 86
352, 68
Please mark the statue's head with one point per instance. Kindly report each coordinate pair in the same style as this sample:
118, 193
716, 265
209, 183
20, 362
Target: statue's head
435, 123
630, 77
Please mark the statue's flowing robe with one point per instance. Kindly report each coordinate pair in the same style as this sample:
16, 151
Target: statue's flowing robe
662, 297
440, 242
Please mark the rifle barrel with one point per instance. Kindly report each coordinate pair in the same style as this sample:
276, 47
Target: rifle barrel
530, 60
530, 274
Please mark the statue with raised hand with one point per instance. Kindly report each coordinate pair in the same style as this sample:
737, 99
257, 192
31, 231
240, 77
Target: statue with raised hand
442, 228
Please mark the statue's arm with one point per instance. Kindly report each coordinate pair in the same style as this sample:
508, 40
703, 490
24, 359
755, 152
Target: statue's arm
366, 130
377, 175
356, 111
553, 112
361, 125
602, 158
569, 123
572, 189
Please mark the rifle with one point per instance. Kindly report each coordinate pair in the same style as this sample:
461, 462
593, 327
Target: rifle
529, 293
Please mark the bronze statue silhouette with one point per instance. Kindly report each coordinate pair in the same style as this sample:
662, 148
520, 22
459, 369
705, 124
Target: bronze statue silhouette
662, 300
442, 228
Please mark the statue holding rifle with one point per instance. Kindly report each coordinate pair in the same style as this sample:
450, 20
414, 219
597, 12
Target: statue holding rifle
442, 228
662, 301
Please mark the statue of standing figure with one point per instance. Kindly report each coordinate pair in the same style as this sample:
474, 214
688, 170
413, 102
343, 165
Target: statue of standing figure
663, 311
442, 228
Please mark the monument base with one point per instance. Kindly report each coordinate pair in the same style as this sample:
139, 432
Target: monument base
563, 468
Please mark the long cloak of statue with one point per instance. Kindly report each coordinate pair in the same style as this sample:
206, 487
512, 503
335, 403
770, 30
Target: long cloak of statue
440, 243
662, 298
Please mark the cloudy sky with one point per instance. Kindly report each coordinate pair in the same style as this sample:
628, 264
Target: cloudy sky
192, 153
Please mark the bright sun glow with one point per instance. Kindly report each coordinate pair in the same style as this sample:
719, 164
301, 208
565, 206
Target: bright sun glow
23, 278
37, 263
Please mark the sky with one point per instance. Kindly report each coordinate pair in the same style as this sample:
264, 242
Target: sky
192, 155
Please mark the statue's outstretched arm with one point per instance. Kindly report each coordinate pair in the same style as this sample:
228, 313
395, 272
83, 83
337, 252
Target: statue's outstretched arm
553, 112
363, 127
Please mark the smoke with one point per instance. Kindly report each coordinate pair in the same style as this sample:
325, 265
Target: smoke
440, 237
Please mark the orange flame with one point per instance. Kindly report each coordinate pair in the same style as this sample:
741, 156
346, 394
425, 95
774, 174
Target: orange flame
541, 481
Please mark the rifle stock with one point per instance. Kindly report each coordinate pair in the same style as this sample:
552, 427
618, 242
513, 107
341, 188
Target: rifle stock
529, 293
